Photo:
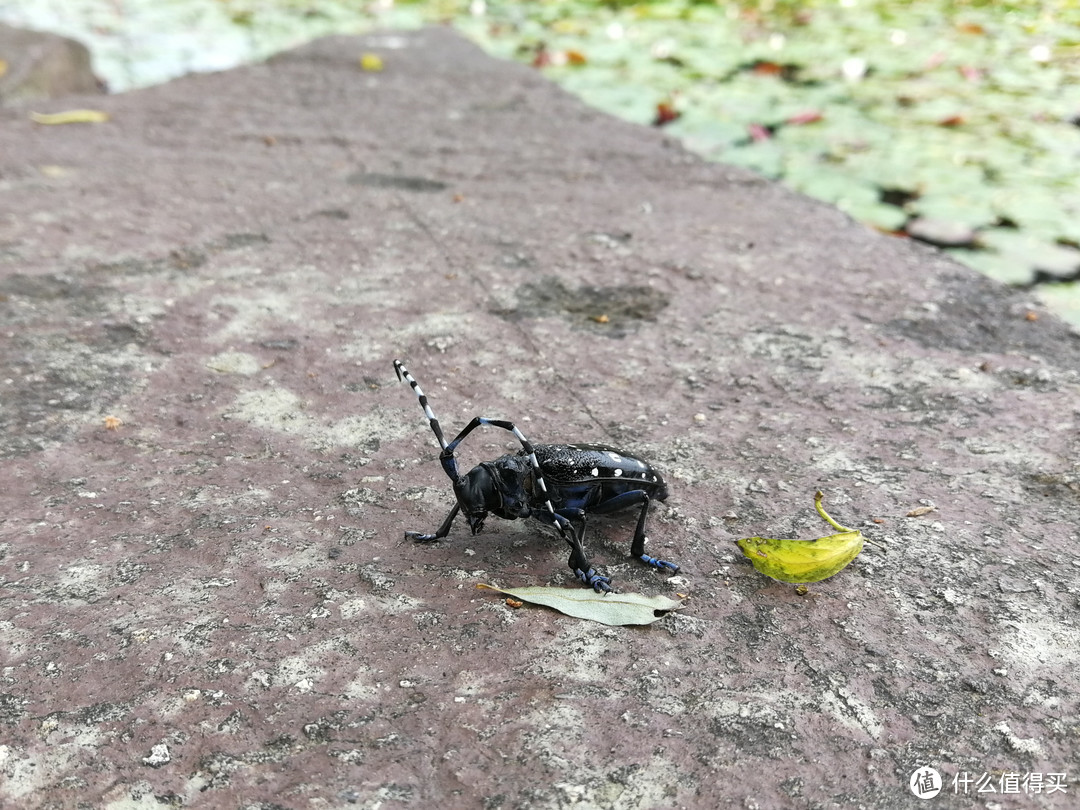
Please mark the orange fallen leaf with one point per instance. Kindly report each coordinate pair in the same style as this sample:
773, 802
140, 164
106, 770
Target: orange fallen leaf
665, 113
763, 68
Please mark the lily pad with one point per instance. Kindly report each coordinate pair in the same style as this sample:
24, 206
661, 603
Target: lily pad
1008, 268
1063, 299
941, 232
1038, 255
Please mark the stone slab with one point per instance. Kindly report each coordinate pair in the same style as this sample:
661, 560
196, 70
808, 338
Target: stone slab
208, 463
39, 65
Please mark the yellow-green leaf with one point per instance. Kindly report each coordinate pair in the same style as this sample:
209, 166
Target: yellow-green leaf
371, 62
70, 117
611, 608
804, 560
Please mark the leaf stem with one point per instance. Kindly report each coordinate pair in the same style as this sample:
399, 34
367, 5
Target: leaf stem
825, 515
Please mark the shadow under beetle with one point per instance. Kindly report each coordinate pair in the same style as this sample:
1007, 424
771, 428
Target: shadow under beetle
558, 484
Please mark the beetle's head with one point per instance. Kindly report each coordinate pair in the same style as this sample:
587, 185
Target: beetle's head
500, 487
476, 494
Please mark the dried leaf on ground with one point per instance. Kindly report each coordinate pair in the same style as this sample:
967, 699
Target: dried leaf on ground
70, 117
613, 609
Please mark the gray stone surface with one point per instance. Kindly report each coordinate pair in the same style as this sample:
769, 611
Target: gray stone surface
40, 65
208, 601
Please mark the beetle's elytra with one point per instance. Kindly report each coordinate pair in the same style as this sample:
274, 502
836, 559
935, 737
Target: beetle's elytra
558, 484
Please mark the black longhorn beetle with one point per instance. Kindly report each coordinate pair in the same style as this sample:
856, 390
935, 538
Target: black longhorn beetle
584, 479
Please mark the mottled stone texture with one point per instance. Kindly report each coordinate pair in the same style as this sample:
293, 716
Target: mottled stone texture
39, 65
208, 600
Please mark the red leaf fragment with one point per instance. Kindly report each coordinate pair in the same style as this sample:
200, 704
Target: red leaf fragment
971, 73
545, 57
759, 132
806, 117
936, 60
542, 58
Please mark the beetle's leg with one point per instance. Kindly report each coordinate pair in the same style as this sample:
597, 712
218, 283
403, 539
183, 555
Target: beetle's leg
564, 521
578, 561
637, 546
440, 532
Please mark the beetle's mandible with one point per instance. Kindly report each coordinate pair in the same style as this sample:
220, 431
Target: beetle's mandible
558, 484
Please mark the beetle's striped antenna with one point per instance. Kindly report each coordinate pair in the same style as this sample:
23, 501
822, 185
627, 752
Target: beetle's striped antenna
403, 374
447, 454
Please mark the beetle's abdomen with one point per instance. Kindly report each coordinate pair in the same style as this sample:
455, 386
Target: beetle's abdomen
612, 471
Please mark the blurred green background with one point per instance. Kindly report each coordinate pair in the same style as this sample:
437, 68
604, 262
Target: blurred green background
956, 122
